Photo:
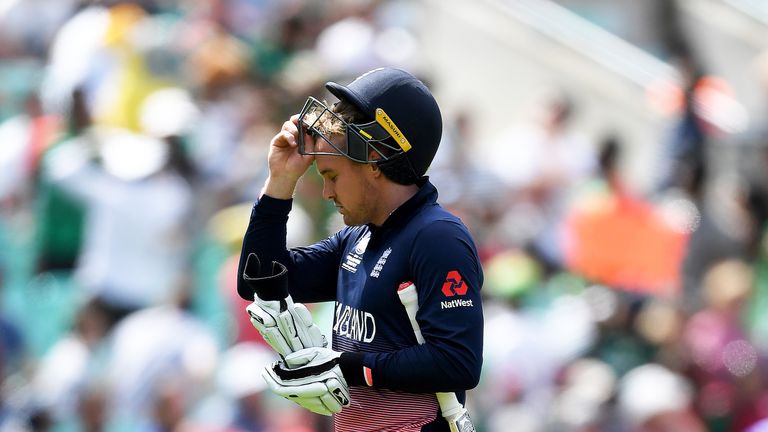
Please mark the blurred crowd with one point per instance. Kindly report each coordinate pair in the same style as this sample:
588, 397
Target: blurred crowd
133, 142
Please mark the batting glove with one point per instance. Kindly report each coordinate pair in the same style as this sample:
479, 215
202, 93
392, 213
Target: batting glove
286, 326
311, 378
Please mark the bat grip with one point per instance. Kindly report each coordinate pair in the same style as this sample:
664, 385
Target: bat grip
409, 297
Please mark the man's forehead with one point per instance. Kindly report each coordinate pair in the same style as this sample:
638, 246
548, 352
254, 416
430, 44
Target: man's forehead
327, 164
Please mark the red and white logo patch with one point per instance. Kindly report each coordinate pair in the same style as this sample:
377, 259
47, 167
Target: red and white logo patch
453, 284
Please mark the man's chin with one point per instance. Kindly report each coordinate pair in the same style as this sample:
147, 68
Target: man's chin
349, 221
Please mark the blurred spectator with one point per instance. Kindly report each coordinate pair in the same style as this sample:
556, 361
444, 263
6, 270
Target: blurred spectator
616, 238
28, 135
137, 204
527, 347
724, 229
16, 31
60, 216
726, 365
346, 46
227, 143
75, 57
163, 357
687, 148
11, 343
584, 394
244, 387
169, 406
541, 163
654, 399
68, 366
93, 409
10, 360
13, 132
467, 188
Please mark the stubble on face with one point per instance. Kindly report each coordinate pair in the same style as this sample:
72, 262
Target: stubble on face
352, 190
354, 195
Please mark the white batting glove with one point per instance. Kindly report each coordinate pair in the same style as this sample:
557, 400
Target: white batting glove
286, 326
311, 378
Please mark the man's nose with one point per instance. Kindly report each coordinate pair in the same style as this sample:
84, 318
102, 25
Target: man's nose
328, 192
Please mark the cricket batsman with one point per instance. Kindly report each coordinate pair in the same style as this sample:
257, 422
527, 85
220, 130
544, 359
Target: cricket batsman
382, 371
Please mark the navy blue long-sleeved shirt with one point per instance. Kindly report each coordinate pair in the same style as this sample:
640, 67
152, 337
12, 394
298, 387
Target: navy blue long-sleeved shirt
360, 268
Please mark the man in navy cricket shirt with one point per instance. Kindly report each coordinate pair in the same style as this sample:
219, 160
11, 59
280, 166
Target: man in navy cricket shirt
372, 149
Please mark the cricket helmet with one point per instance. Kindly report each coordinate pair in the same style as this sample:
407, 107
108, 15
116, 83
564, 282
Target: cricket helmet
402, 125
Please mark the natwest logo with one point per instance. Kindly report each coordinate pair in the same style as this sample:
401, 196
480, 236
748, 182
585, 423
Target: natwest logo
453, 284
450, 304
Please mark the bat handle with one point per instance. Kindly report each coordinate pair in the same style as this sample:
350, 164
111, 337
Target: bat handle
455, 414
409, 297
449, 405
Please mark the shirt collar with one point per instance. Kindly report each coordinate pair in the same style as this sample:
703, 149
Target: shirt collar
427, 194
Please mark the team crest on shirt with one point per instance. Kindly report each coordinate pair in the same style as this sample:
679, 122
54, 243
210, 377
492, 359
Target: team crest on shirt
380, 263
355, 257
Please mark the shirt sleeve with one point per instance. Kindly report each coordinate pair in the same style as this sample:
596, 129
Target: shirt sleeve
312, 270
448, 279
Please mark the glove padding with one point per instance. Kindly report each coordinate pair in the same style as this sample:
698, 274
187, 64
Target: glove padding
286, 326
312, 378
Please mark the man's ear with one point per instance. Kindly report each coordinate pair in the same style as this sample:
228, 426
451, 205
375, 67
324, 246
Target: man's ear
374, 167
